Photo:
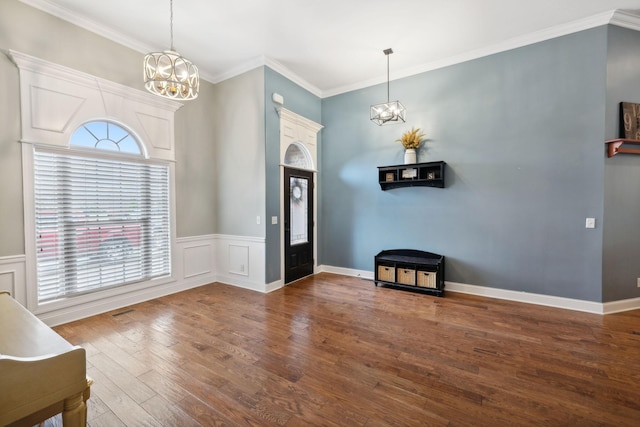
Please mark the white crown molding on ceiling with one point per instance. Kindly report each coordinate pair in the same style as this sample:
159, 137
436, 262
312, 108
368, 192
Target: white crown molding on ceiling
281, 69
108, 33
87, 24
624, 19
615, 17
274, 65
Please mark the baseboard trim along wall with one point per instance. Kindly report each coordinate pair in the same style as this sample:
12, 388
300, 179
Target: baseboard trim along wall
519, 296
197, 261
620, 306
239, 261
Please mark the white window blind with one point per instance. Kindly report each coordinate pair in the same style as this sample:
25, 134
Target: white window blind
99, 223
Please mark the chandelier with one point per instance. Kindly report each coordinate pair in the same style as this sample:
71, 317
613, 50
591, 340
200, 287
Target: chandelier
170, 75
389, 112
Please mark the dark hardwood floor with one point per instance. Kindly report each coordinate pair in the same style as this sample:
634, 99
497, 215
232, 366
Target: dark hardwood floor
333, 350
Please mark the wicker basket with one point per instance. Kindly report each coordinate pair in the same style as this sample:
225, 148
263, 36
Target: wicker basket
427, 279
386, 274
406, 276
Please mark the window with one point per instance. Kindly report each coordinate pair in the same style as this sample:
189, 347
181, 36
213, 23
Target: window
101, 214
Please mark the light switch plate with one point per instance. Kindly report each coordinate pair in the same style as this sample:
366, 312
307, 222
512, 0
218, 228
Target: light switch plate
590, 223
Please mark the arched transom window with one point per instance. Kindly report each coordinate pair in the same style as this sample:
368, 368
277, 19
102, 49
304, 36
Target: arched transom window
105, 135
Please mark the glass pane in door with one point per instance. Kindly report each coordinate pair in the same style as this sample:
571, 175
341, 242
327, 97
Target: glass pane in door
298, 192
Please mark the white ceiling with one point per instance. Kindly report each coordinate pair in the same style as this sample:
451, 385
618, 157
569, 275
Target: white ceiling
332, 46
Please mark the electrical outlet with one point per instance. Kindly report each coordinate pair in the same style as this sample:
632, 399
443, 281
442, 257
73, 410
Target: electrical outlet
258, 220
638, 282
590, 223
274, 220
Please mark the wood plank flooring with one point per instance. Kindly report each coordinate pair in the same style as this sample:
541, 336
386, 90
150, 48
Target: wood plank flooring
337, 351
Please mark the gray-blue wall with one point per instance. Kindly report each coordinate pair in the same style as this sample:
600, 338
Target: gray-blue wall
621, 261
306, 104
522, 133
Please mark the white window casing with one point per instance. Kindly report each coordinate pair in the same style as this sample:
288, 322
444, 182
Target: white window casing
55, 102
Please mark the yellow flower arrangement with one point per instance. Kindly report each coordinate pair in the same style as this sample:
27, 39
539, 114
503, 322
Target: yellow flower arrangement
411, 139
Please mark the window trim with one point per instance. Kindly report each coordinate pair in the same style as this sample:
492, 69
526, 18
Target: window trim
67, 98
93, 299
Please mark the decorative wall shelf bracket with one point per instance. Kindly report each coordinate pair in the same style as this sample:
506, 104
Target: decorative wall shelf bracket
615, 146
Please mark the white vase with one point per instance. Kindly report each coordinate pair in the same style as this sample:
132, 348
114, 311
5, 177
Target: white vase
410, 156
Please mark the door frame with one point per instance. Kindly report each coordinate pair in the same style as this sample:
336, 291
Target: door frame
298, 130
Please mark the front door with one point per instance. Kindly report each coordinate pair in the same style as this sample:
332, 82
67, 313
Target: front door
298, 224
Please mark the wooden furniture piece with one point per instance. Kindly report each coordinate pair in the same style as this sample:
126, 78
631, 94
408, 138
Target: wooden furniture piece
411, 269
418, 174
41, 374
615, 146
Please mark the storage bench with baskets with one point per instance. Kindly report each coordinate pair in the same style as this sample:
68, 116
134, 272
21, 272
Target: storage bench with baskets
411, 269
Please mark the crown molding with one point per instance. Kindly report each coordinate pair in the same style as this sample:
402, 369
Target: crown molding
237, 70
281, 69
268, 62
53, 9
614, 17
93, 26
625, 19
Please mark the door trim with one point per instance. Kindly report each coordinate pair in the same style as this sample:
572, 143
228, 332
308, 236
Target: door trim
296, 129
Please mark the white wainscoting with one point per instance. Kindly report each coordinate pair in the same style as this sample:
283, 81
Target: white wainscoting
241, 261
12, 277
197, 261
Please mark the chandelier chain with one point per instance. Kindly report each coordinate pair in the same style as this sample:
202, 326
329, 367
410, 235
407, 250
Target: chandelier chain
171, 21
388, 77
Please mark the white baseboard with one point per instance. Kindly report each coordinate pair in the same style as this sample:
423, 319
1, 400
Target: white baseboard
203, 260
519, 296
240, 282
274, 286
346, 271
197, 261
526, 297
621, 305
95, 307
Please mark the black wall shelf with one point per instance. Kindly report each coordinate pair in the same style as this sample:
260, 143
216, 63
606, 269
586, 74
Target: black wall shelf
429, 174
